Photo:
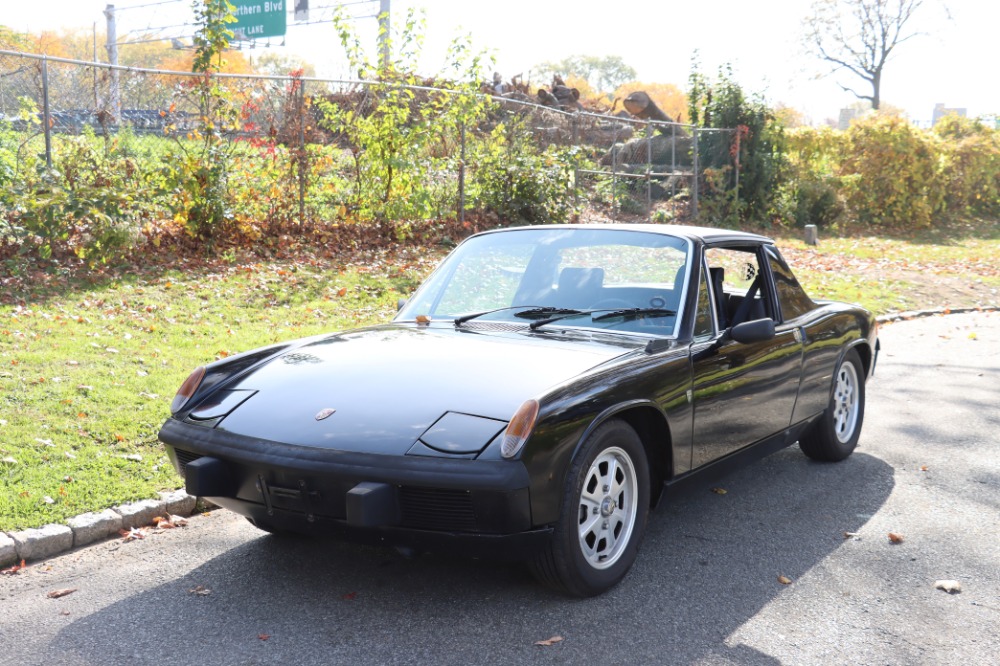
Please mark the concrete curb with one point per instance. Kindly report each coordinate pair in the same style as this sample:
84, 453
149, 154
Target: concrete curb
917, 314
43, 542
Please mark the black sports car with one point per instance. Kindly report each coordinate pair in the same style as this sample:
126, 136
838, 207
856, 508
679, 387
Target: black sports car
533, 398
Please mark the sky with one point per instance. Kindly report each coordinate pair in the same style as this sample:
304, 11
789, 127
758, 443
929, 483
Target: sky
954, 59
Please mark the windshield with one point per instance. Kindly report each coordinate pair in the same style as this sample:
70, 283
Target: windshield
563, 269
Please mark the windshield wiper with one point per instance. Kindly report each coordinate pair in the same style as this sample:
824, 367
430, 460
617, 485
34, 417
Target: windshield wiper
556, 317
458, 321
627, 313
636, 313
538, 313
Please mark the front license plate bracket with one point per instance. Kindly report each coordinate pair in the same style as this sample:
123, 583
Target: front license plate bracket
295, 499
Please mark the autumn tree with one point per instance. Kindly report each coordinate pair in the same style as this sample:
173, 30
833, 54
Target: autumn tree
277, 64
859, 36
603, 73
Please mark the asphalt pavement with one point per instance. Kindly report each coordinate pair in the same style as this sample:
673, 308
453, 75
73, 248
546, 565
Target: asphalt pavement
705, 589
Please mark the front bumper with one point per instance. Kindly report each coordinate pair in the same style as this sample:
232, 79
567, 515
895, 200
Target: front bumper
476, 506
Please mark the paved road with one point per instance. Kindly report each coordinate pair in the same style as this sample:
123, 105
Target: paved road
704, 590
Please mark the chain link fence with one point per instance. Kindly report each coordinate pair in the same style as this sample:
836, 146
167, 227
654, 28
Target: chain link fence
295, 141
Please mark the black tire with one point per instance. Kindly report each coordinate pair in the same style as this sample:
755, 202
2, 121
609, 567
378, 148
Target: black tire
601, 525
835, 435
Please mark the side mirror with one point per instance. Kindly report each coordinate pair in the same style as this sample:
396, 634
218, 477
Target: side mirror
758, 330
400, 304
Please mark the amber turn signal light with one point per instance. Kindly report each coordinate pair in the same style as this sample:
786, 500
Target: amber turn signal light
519, 429
187, 389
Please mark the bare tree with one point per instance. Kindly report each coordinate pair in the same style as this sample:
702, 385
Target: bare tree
859, 36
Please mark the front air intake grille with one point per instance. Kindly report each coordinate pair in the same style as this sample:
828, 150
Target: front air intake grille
497, 326
185, 457
437, 509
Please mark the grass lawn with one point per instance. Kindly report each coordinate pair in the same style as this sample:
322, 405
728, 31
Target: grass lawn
87, 371
89, 364
954, 267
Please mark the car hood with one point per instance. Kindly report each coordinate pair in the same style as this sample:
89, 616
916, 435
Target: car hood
388, 384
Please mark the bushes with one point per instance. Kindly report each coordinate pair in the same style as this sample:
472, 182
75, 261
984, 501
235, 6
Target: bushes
883, 171
890, 173
971, 165
92, 203
520, 184
756, 144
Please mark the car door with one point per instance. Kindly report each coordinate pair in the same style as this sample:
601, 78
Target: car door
741, 392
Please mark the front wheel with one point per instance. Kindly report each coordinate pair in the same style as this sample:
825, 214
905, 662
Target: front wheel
603, 514
835, 435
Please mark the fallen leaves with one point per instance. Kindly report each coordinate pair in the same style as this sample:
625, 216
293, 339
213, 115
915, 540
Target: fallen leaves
895, 537
57, 594
133, 534
16, 569
263, 637
719, 491
169, 522
784, 580
549, 641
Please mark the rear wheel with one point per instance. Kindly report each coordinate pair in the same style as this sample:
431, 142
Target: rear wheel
603, 514
835, 435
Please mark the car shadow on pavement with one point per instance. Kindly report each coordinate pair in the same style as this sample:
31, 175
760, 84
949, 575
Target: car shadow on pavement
711, 561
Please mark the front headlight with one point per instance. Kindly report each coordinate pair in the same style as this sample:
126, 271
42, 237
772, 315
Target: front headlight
187, 389
519, 429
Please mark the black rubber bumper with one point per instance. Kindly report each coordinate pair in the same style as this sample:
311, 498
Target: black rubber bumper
480, 507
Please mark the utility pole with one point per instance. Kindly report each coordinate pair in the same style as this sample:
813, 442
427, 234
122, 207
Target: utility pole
383, 33
115, 100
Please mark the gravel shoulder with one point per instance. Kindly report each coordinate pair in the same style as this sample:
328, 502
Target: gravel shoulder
705, 589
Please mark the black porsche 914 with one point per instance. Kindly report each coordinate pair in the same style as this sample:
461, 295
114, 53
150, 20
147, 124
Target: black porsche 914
533, 398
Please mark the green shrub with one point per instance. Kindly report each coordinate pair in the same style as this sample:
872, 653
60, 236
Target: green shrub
812, 189
92, 203
890, 172
756, 142
817, 202
971, 167
518, 183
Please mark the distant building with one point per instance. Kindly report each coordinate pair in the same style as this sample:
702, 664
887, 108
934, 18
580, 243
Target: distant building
846, 117
940, 112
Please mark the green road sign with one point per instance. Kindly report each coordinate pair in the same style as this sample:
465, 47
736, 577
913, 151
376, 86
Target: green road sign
258, 18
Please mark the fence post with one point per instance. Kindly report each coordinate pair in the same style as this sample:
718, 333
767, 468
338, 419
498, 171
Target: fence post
575, 127
112, 48
737, 164
673, 161
649, 168
461, 173
46, 118
614, 177
694, 187
303, 166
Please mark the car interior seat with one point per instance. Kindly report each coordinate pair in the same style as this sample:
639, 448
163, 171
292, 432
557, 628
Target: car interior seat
579, 287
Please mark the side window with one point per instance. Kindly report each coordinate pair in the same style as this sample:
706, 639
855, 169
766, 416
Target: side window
703, 328
736, 276
792, 298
